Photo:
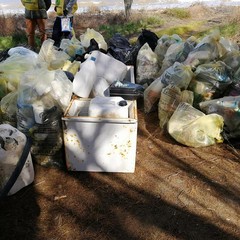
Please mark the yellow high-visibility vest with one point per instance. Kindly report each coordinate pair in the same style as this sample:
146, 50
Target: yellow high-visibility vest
60, 5
30, 4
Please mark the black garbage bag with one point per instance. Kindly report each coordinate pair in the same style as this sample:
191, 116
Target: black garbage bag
120, 48
148, 36
127, 90
92, 47
4, 55
69, 75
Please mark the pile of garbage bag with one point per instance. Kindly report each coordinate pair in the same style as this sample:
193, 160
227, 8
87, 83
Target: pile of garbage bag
192, 84
201, 73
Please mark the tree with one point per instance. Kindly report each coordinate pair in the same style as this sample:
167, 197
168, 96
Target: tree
128, 5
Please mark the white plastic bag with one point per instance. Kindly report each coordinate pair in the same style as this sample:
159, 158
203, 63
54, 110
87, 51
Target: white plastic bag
61, 89
23, 51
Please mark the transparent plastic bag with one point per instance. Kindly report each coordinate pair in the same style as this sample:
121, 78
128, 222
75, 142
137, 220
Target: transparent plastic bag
207, 50
163, 43
8, 106
72, 47
210, 81
146, 64
232, 60
12, 69
193, 128
178, 75
61, 89
51, 57
228, 44
177, 52
229, 108
3, 87
56, 83
170, 98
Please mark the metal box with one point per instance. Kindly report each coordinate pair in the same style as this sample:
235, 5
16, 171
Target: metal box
99, 144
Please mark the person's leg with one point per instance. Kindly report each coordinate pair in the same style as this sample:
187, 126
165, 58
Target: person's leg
30, 30
57, 31
42, 29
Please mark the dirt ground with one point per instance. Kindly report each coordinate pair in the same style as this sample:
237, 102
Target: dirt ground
176, 192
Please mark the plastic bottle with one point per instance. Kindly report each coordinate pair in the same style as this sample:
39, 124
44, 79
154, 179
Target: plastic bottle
85, 78
108, 107
108, 67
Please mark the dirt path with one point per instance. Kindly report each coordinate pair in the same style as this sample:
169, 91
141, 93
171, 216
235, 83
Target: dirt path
176, 192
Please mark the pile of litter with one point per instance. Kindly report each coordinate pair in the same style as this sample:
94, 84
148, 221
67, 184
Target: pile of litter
192, 83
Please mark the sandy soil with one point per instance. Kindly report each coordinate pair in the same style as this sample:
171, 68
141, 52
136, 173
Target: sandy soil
176, 192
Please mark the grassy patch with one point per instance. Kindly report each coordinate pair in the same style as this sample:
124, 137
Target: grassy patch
183, 31
132, 27
12, 41
126, 29
180, 13
229, 29
5, 43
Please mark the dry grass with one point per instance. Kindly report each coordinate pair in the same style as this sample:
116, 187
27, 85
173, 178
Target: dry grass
12, 24
158, 21
235, 17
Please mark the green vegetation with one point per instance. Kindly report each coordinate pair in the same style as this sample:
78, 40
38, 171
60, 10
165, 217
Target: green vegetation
182, 30
131, 27
5, 43
124, 29
229, 30
12, 41
180, 13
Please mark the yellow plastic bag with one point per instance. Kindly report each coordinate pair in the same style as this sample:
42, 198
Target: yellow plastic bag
193, 128
92, 34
